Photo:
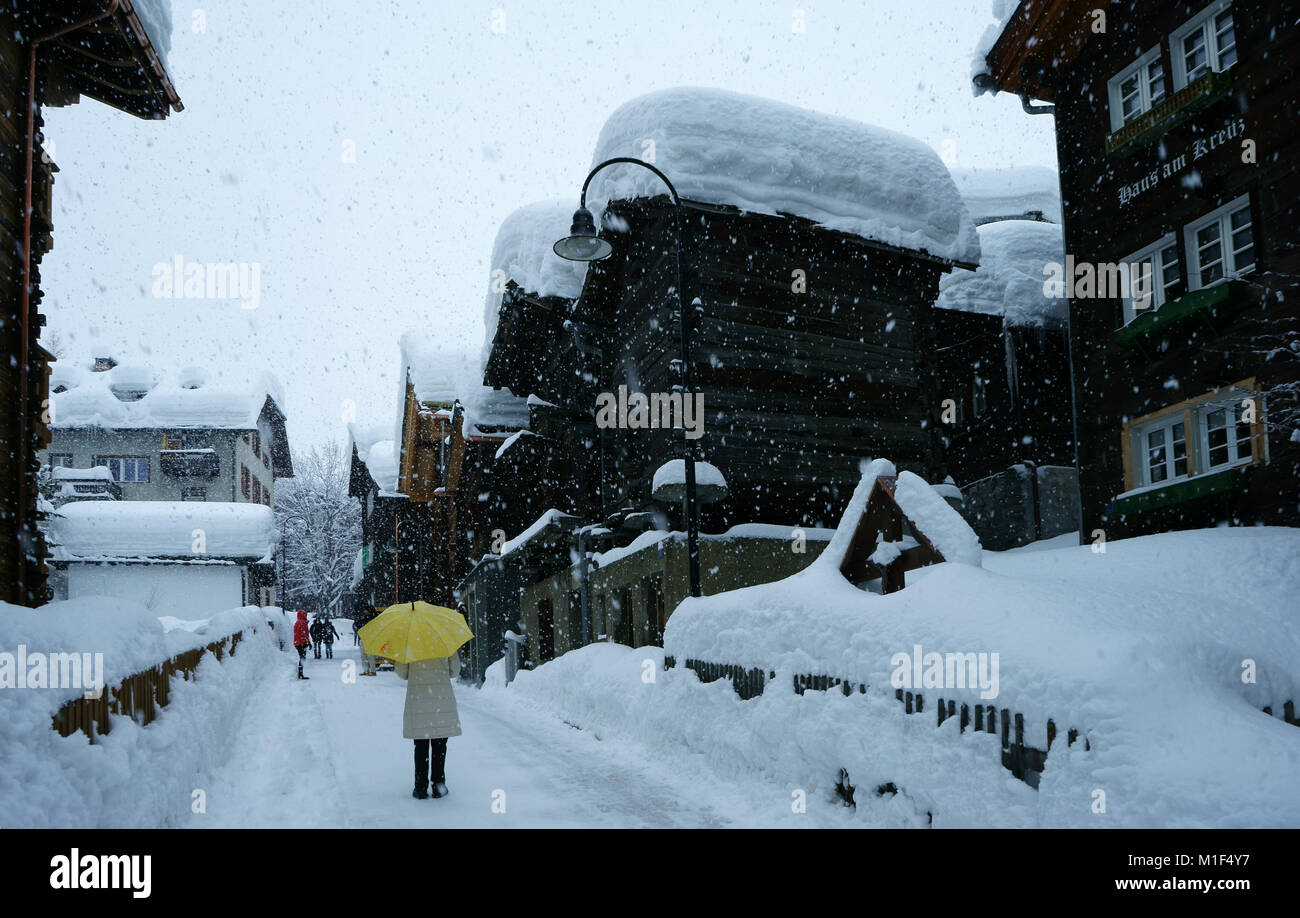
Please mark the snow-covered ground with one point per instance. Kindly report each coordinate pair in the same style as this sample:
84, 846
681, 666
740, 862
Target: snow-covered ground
330, 753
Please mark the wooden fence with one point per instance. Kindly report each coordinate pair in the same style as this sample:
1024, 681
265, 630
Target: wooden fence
1025, 762
138, 696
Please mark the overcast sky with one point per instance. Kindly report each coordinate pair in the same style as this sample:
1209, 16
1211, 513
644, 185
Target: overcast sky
455, 123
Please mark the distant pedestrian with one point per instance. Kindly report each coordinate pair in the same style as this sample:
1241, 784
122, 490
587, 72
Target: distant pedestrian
316, 635
356, 629
429, 718
364, 617
329, 634
301, 639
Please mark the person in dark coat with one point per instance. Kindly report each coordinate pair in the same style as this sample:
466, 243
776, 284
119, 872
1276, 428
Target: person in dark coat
301, 639
328, 634
316, 635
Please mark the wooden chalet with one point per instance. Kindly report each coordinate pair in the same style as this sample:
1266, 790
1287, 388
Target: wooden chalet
813, 347
51, 54
1175, 134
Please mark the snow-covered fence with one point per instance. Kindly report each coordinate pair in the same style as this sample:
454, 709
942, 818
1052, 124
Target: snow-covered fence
138, 696
1024, 761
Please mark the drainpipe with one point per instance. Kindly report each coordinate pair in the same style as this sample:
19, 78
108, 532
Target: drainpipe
585, 589
1032, 109
29, 173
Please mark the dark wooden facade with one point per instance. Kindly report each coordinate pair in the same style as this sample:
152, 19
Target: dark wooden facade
1226, 136
799, 384
50, 54
1010, 387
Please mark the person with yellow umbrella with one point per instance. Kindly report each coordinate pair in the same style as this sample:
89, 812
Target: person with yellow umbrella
422, 640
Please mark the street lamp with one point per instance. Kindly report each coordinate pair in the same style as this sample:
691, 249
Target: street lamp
582, 244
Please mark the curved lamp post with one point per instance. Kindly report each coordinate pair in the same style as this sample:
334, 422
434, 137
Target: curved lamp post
582, 244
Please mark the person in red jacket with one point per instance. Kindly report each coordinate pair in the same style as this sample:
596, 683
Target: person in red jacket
301, 639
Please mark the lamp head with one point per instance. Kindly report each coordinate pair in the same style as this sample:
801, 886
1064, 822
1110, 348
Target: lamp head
582, 243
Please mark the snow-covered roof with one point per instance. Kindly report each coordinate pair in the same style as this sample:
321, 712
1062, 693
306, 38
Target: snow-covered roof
767, 157
156, 17
524, 252
136, 397
377, 450
1002, 11
1009, 191
1009, 281
145, 529
95, 473
444, 375
541, 523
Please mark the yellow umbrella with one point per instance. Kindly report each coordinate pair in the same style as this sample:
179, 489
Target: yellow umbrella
411, 631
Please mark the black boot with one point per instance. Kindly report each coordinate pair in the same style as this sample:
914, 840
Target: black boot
421, 770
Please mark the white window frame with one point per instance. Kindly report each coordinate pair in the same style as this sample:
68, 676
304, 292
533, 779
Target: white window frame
1231, 403
1142, 465
60, 460
1202, 22
1222, 216
1158, 287
1140, 66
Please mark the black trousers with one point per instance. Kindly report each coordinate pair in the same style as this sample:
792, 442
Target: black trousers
302, 655
426, 770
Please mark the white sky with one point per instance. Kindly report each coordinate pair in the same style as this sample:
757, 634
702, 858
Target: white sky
455, 125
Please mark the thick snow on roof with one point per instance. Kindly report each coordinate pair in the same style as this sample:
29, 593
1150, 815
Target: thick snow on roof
1009, 280
1010, 191
156, 17
935, 518
1002, 11
538, 525
673, 472
232, 400
767, 157
189, 530
441, 374
523, 251
377, 449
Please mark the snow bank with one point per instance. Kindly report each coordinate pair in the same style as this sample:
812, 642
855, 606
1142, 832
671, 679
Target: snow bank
770, 158
524, 253
1009, 281
97, 530
134, 776
1140, 648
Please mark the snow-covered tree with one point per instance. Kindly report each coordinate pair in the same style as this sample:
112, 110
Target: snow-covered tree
320, 529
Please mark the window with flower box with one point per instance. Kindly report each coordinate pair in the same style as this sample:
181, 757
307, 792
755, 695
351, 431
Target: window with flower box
1136, 89
1211, 433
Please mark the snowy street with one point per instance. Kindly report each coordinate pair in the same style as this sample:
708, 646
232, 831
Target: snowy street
325, 753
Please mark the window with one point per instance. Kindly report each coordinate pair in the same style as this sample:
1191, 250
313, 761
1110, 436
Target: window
1153, 271
257, 490
194, 494
1136, 89
266, 496
244, 480
1165, 445
60, 460
255, 440
1221, 245
266, 458
1208, 42
1210, 433
134, 469
1227, 435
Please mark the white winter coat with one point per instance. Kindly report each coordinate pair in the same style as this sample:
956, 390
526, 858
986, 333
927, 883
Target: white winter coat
430, 711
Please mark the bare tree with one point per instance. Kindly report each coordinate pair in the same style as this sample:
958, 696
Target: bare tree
320, 529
